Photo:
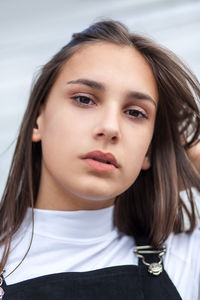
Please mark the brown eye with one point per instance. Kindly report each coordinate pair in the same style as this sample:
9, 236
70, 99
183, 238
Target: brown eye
136, 114
83, 100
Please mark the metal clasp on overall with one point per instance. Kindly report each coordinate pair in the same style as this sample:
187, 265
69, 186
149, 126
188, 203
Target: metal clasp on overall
154, 268
1, 289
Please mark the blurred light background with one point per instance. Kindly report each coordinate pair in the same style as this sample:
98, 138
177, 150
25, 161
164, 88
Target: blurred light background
32, 31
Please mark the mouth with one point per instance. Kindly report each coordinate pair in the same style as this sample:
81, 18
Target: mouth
101, 159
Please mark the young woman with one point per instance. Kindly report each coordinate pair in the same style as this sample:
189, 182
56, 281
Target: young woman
92, 206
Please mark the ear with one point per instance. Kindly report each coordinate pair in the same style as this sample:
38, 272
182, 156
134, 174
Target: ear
147, 160
36, 133
146, 163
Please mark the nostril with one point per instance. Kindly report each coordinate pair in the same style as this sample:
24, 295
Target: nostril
114, 138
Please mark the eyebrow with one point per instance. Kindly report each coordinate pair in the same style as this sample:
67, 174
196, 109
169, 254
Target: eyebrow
141, 96
88, 82
99, 86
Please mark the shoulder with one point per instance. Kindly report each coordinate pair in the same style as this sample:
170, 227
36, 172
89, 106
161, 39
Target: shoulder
182, 262
20, 235
184, 246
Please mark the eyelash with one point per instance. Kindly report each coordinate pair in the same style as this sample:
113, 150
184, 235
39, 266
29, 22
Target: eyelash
136, 113
75, 98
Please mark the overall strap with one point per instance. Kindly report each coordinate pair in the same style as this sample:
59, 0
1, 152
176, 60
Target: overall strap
155, 281
2, 286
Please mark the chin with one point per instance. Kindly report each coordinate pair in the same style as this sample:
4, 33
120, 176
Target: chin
97, 204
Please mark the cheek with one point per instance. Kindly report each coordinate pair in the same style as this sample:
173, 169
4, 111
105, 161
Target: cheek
62, 137
61, 128
135, 153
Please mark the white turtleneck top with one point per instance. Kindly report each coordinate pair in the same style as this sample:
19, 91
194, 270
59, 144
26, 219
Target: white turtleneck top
77, 241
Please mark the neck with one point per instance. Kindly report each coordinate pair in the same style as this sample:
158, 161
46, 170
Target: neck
73, 225
52, 199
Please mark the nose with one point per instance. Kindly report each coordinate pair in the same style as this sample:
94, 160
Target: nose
108, 128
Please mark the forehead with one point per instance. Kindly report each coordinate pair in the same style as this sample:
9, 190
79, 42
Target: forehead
111, 64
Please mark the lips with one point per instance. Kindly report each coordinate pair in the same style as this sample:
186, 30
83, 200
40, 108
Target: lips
107, 158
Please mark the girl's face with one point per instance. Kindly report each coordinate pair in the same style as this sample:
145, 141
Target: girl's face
103, 101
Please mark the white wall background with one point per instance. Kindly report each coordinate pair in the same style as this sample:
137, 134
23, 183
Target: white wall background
32, 31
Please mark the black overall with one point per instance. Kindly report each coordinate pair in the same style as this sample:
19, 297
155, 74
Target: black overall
113, 283
128, 282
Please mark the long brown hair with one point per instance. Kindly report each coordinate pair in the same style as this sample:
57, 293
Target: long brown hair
152, 206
